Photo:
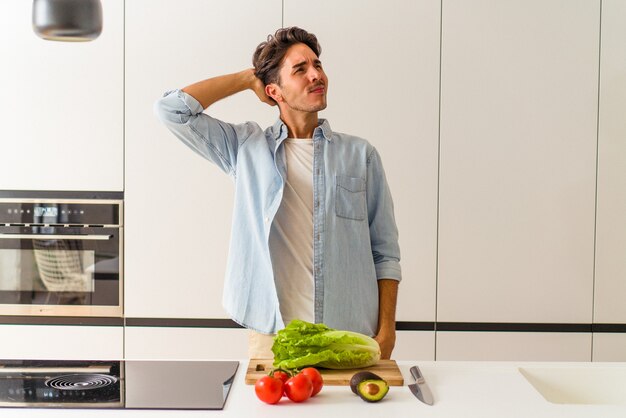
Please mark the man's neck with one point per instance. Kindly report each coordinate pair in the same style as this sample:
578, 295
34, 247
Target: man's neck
300, 124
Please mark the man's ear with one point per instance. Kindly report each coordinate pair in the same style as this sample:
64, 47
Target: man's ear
273, 91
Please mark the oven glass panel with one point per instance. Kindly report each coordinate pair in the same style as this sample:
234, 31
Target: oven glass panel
50, 268
47, 266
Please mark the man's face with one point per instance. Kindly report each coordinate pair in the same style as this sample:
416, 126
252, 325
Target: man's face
303, 83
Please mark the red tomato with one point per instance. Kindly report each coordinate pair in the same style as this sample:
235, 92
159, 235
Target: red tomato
269, 389
281, 374
316, 379
299, 388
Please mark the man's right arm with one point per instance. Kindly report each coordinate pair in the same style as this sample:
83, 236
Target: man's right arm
182, 113
214, 89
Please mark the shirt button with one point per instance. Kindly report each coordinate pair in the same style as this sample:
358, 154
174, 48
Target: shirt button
267, 220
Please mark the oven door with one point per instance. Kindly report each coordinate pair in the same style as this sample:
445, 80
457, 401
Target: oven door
60, 271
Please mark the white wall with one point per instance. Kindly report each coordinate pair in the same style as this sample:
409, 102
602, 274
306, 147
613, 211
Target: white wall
178, 206
519, 88
62, 107
395, 107
610, 267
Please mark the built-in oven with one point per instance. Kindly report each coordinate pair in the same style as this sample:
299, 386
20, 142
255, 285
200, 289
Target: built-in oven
61, 257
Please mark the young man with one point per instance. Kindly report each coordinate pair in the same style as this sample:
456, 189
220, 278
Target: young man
313, 235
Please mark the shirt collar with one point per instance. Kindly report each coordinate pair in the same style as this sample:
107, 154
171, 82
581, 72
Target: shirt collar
280, 131
324, 126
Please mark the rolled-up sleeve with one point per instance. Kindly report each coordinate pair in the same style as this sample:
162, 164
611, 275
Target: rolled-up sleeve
382, 223
211, 138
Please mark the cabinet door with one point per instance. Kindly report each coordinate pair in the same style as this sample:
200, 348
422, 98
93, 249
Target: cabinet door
185, 343
414, 345
178, 205
59, 342
610, 283
513, 346
382, 62
609, 347
62, 107
518, 160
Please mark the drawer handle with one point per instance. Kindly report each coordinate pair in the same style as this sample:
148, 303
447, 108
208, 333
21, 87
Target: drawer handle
52, 236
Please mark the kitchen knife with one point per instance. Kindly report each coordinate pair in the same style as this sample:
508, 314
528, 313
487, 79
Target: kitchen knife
420, 389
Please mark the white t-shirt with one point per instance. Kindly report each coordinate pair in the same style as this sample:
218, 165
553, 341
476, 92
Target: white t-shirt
291, 235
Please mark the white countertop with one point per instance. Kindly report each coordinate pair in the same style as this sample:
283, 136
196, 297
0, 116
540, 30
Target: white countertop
460, 389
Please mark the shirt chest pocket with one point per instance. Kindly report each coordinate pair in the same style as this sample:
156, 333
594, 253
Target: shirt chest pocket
350, 197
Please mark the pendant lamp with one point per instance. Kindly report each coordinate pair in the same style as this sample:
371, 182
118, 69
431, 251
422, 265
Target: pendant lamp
67, 20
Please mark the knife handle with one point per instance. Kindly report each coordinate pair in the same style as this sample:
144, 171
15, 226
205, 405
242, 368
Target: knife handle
417, 374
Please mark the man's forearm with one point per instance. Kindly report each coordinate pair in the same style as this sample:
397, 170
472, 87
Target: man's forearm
214, 89
387, 301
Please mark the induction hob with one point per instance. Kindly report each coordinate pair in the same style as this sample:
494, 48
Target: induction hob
128, 384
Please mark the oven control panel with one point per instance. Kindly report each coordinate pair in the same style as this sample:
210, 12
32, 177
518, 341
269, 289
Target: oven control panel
59, 213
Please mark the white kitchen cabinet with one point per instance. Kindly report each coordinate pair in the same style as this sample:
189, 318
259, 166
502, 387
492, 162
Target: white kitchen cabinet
62, 108
178, 206
185, 343
513, 346
196, 343
609, 347
518, 163
382, 62
414, 345
60, 342
610, 280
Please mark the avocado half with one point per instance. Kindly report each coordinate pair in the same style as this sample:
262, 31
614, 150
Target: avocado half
369, 386
361, 376
372, 390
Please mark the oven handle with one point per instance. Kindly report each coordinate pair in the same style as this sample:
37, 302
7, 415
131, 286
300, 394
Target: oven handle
52, 236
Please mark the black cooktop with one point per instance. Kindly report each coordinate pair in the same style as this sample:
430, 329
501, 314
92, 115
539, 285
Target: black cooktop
116, 384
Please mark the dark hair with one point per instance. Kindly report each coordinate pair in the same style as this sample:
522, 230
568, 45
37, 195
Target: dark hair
269, 55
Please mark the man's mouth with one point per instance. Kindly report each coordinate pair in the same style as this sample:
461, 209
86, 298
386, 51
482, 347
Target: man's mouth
317, 89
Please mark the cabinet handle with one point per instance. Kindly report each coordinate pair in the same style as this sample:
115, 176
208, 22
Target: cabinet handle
51, 236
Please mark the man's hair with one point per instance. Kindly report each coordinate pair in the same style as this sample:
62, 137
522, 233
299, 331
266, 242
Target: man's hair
269, 55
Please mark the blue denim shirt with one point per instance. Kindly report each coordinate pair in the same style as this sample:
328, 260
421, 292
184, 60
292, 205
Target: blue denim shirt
355, 238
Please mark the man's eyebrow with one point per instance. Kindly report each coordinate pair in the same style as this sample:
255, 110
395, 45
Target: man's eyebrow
298, 65
303, 63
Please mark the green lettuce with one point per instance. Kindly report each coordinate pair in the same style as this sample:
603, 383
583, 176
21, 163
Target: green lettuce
303, 344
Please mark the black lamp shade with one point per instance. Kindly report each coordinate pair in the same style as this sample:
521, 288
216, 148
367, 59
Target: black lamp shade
67, 20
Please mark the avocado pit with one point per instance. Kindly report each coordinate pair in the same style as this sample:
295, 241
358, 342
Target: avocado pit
371, 389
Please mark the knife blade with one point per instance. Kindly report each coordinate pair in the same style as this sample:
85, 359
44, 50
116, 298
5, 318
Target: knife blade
420, 389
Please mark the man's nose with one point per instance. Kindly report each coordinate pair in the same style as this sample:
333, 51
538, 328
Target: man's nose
314, 74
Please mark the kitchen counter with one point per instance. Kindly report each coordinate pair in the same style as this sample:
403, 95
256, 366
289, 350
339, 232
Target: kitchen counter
460, 389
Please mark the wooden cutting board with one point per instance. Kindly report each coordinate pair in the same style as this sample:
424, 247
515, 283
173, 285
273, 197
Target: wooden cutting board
387, 369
